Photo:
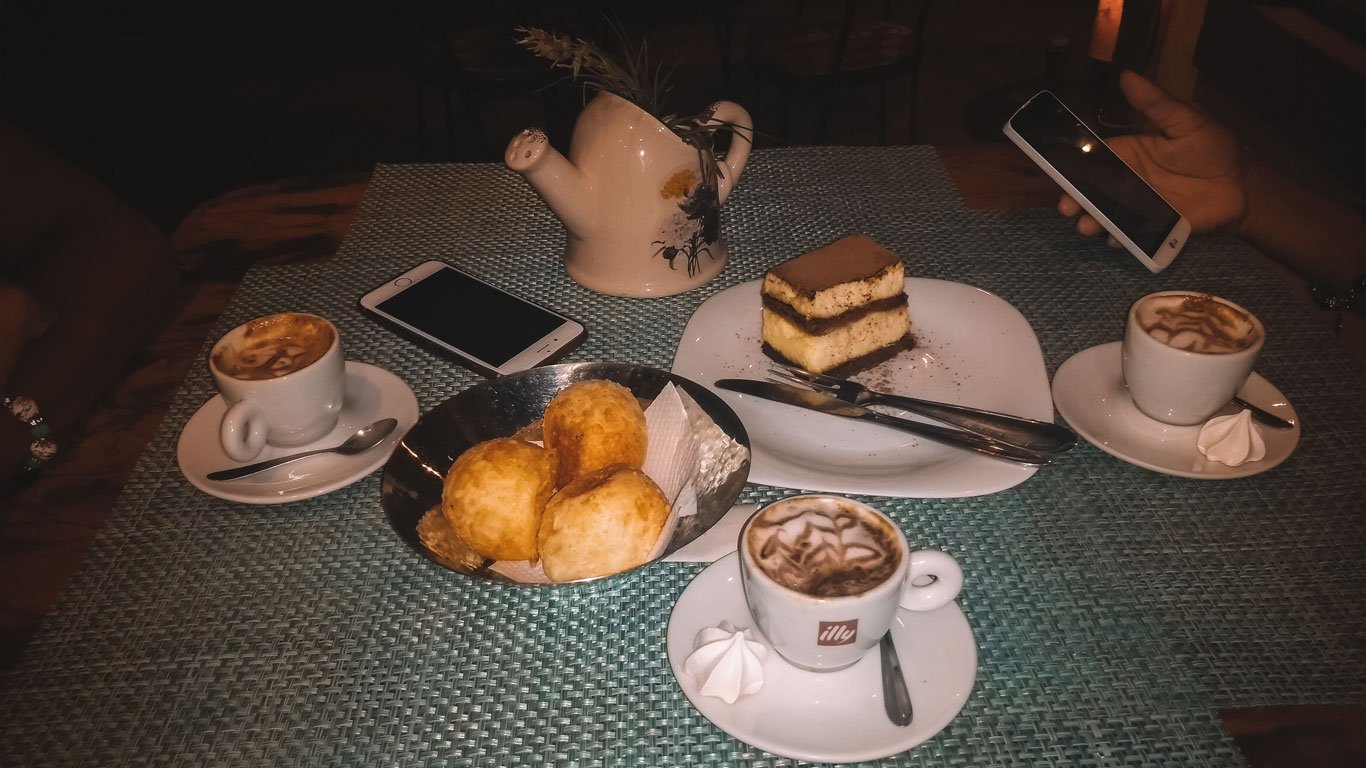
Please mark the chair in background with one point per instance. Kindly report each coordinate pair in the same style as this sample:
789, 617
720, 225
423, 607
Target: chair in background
819, 55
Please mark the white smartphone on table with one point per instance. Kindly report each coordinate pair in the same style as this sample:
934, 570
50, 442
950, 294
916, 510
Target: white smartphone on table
1128, 208
470, 320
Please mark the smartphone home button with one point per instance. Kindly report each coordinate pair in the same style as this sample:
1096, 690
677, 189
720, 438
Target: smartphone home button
403, 282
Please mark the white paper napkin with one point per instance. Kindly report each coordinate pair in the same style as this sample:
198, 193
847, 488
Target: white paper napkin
671, 453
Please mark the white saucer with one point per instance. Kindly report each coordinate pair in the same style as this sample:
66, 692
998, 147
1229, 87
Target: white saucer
371, 393
833, 717
1090, 394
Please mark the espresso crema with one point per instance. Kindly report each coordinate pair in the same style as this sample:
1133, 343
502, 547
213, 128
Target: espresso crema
823, 547
1195, 322
274, 346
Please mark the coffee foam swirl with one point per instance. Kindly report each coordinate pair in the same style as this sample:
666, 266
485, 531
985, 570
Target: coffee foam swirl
1197, 323
823, 547
274, 346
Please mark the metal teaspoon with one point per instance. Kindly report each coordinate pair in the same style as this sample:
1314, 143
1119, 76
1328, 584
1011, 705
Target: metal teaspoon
366, 437
1261, 414
895, 697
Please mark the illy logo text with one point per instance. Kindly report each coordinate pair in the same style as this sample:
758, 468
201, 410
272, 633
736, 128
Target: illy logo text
837, 632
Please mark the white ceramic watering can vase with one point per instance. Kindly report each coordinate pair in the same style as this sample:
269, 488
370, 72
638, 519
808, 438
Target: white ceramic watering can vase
641, 208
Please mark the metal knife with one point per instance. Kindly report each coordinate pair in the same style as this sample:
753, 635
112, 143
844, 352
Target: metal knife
816, 401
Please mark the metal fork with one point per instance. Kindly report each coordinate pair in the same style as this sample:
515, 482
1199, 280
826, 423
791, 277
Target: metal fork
1041, 436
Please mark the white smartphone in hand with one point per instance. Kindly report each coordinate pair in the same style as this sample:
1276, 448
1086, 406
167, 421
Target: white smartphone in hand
1100, 181
477, 324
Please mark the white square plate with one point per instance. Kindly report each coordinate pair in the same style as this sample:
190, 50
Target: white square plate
972, 348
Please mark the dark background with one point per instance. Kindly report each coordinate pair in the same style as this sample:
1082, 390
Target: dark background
173, 103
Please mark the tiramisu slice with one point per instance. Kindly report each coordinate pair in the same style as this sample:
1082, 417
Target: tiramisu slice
838, 309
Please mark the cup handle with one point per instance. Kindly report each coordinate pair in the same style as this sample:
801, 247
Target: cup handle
948, 580
738, 121
243, 431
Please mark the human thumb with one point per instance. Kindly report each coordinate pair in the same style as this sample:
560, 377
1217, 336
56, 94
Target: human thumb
1172, 116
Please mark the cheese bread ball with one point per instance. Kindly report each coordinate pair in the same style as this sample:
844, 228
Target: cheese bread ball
601, 524
593, 424
494, 495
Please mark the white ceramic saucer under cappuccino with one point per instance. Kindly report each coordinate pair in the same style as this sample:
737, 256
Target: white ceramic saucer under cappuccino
833, 717
1089, 392
371, 393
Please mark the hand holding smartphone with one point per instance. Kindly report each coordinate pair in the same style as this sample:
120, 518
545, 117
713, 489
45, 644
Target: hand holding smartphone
1100, 181
471, 321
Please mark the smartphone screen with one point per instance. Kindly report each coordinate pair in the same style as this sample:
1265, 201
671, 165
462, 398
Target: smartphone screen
1053, 131
471, 317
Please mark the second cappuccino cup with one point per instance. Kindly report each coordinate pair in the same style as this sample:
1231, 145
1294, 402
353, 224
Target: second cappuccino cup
1185, 354
283, 379
824, 577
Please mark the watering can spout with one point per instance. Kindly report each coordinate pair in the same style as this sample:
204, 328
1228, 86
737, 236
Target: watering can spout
563, 187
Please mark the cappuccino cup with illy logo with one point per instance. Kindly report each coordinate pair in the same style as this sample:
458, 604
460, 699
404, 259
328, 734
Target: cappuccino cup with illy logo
824, 577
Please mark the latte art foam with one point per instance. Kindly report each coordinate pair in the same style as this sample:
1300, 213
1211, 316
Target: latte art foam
274, 346
1197, 323
823, 547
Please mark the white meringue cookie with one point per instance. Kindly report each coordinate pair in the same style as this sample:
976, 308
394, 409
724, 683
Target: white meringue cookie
1231, 440
726, 663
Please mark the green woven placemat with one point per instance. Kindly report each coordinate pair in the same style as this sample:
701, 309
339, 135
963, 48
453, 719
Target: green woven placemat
1114, 608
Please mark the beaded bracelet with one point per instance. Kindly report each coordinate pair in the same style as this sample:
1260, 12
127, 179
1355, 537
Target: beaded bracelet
43, 447
1349, 301
1352, 301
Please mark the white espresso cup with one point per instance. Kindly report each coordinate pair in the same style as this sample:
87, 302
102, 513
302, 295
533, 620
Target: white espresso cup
282, 377
824, 577
1185, 354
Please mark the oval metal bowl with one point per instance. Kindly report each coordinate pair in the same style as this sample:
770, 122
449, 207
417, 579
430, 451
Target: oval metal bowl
499, 407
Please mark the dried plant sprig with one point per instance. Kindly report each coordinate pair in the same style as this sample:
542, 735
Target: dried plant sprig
588, 64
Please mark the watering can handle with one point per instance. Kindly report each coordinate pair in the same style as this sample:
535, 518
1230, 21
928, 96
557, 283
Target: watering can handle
734, 118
